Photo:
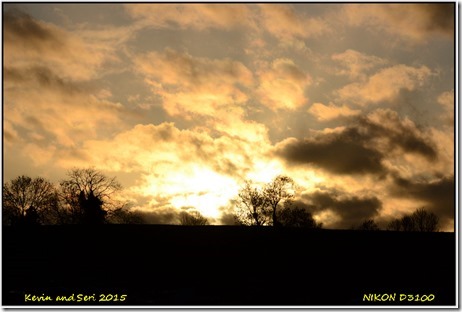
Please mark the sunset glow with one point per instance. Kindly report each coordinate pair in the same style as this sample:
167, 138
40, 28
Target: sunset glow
184, 102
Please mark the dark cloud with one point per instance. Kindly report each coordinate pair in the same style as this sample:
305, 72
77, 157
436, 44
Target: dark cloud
439, 195
350, 209
337, 153
398, 134
13, 75
227, 219
361, 147
19, 27
161, 217
440, 18
43, 77
423, 19
8, 136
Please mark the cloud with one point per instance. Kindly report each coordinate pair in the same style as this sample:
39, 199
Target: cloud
159, 216
329, 112
282, 85
282, 21
196, 16
438, 195
340, 210
190, 85
48, 99
146, 147
287, 23
336, 154
29, 42
42, 104
10, 135
399, 134
227, 219
374, 144
415, 22
355, 64
446, 100
385, 85
444, 141
174, 68
214, 91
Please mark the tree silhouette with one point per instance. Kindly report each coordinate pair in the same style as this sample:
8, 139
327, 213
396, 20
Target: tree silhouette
278, 191
192, 218
251, 206
297, 217
87, 194
407, 224
425, 221
368, 225
260, 206
419, 221
35, 198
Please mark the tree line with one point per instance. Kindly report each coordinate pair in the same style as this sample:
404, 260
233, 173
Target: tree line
272, 205
86, 196
420, 220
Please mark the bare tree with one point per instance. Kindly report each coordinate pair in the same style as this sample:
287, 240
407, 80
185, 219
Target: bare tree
89, 181
26, 196
278, 191
193, 218
419, 221
251, 206
425, 221
260, 206
87, 193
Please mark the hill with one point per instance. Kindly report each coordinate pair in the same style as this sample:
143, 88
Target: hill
156, 265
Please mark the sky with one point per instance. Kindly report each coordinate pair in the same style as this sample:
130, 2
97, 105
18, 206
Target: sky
184, 102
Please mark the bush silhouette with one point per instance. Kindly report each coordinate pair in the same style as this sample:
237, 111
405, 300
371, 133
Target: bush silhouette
368, 225
297, 217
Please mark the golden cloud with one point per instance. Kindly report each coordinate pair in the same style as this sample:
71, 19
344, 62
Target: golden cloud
44, 105
195, 16
285, 23
356, 64
446, 100
282, 85
385, 85
329, 112
190, 85
46, 98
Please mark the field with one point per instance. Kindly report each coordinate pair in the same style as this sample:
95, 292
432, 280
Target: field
155, 265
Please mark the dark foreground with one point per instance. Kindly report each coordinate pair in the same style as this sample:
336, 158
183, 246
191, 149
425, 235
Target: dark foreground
173, 265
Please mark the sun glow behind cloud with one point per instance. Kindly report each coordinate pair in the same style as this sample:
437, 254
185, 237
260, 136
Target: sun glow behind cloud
195, 187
